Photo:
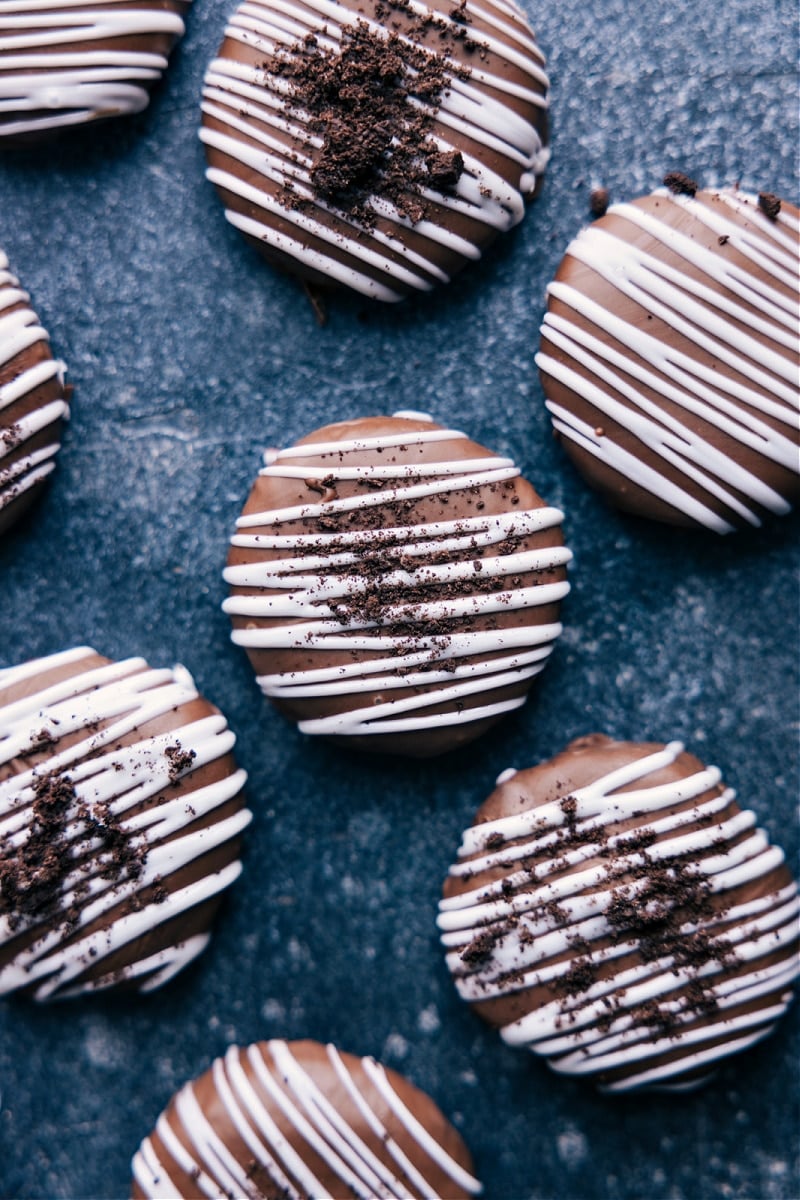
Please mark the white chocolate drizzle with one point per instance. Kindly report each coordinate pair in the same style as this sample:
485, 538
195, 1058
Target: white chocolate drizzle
258, 1092
55, 72
255, 107
97, 706
19, 330
291, 599
726, 371
547, 907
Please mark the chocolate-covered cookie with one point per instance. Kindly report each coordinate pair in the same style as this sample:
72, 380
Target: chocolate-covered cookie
120, 820
670, 355
378, 146
615, 911
395, 584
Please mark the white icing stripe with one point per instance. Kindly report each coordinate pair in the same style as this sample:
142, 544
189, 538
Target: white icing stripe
122, 697
640, 986
13, 675
572, 857
152, 1179
376, 1125
262, 1091
552, 913
468, 531
269, 1144
183, 1159
365, 721
26, 473
387, 496
50, 76
292, 601
626, 373
335, 681
252, 1118
19, 331
391, 471
443, 1160
249, 104
324, 589
34, 377
661, 1076
328, 1134
416, 437
299, 248
418, 613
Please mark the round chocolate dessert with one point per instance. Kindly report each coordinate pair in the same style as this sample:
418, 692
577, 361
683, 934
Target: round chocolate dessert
65, 63
300, 1120
120, 817
32, 401
378, 146
670, 355
615, 911
396, 585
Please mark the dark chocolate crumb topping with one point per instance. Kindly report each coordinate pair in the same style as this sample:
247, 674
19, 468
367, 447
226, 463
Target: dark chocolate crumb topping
32, 878
651, 905
373, 100
396, 608
179, 760
41, 739
479, 948
11, 436
680, 184
769, 204
599, 201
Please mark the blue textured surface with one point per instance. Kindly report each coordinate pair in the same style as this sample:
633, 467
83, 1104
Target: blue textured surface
189, 357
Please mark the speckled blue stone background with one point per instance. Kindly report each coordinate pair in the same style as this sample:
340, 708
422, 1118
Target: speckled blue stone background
189, 357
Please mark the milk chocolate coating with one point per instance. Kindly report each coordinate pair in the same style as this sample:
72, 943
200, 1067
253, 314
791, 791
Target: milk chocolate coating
670, 356
32, 401
74, 62
396, 585
615, 911
313, 182
120, 818
302, 1121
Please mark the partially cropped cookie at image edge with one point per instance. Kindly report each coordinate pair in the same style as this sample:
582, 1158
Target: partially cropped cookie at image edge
33, 401
379, 146
302, 1121
396, 585
614, 911
670, 355
65, 64
120, 822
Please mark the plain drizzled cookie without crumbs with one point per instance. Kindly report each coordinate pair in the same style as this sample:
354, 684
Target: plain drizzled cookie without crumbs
68, 62
301, 1121
120, 821
395, 585
616, 912
670, 355
378, 146
33, 402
